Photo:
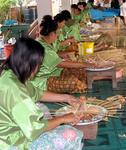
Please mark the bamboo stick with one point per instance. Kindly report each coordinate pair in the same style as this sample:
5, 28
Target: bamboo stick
107, 104
104, 102
116, 106
118, 110
111, 116
62, 104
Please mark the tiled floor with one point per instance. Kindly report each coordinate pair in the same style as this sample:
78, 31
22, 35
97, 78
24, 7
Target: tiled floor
111, 134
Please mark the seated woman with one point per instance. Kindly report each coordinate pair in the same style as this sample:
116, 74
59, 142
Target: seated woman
22, 123
71, 28
76, 13
85, 11
51, 74
62, 42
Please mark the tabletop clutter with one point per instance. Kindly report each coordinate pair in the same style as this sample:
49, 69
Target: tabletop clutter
103, 69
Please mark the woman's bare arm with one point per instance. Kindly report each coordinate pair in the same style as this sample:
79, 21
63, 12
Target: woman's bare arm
71, 64
67, 119
54, 97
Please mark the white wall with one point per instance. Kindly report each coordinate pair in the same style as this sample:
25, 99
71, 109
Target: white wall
65, 4
55, 7
44, 7
51, 7
74, 1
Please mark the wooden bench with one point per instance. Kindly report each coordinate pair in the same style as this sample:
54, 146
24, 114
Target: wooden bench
95, 75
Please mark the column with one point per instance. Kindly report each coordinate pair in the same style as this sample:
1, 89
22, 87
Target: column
44, 7
65, 4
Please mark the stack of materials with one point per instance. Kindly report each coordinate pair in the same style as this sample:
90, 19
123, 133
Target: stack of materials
116, 55
114, 105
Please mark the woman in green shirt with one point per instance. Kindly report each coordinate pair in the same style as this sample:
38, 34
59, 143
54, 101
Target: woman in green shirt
76, 13
85, 12
71, 28
22, 126
52, 64
62, 41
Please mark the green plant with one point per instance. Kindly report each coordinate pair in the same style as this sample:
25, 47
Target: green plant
4, 8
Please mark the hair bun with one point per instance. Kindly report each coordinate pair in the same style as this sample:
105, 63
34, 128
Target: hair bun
47, 18
48, 25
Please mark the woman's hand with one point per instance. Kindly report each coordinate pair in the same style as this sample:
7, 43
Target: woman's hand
68, 41
71, 40
71, 118
73, 101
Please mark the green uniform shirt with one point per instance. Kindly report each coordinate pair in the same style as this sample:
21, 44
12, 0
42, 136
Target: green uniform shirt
89, 5
77, 18
60, 35
57, 43
20, 121
48, 67
85, 15
72, 29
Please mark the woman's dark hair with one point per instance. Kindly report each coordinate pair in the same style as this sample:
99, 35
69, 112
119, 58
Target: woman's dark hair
79, 3
48, 25
91, 1
115, 4
82, 3
74, 6
66, 15
47, 17
26, 56
59, 18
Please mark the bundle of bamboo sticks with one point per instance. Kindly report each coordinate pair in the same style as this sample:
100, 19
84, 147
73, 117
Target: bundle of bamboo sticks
114, 105
89, 107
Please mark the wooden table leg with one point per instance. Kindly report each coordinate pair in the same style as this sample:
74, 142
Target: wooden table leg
114, 81
89, 81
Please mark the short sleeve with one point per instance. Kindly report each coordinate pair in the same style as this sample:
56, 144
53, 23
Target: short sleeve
28, 117
34, 92
75, 31
56, 45
51, 60
49, 66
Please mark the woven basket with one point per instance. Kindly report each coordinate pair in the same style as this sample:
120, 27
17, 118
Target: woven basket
78, 73
68, 84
